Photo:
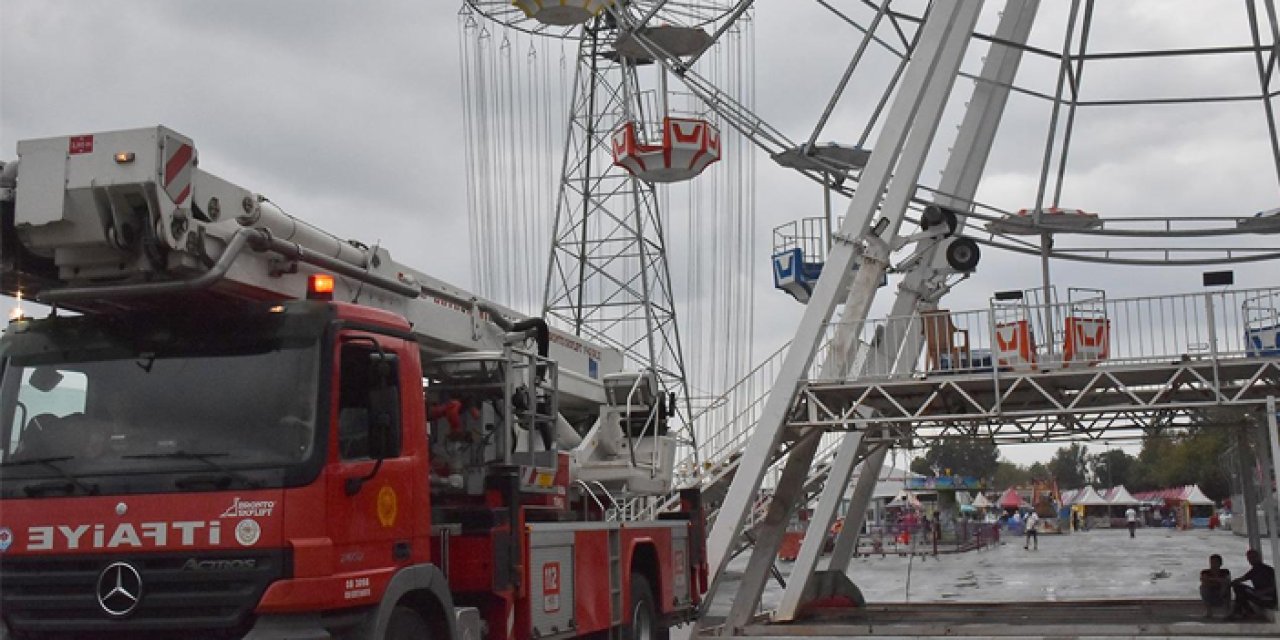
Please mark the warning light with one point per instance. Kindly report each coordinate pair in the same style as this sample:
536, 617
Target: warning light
16, 313
124, 157
320, 287
277, 309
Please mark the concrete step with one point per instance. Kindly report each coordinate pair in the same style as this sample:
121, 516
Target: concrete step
1075, 619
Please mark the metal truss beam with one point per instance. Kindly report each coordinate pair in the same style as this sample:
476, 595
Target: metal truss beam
1012, 400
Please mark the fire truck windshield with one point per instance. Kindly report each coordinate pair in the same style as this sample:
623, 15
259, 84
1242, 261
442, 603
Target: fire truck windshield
92, 407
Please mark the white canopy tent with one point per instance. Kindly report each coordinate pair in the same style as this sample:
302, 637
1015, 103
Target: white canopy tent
1089, 497
1120, 497
1193, 495
904, 499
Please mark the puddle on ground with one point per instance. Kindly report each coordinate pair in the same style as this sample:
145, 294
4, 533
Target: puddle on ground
967, 581
1159, 575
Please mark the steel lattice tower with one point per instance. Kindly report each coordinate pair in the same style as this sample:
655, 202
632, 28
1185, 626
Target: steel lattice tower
607, 277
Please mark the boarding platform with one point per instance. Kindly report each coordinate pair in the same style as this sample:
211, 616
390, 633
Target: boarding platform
1086, 368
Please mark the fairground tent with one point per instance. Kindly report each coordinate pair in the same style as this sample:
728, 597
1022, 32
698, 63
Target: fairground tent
1190, 494
1120, 496
904, 499
981, 502
1193, 495
1089, 497
1011, 500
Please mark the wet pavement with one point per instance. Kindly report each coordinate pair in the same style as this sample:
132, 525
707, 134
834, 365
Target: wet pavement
1090, 565
1156, 573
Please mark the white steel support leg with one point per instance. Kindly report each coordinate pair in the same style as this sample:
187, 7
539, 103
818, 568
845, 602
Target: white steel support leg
770, 531
854, 519
1249, 490
1273, 437
960, 180
930, 72
1266, 463
968, 159
823, 517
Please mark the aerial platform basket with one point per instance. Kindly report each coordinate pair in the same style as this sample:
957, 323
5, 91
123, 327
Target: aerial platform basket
562, 13
688, 146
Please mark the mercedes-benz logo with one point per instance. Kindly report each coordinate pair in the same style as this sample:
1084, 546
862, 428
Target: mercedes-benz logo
119, 589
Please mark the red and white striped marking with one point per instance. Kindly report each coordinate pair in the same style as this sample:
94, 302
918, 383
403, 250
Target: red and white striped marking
179, 159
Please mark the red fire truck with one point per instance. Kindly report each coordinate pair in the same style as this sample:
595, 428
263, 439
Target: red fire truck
233, 424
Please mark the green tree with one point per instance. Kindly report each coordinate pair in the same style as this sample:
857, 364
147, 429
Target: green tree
1204, 450
963, 457
1152, 469
1038, 472
920, 466
1115, 467
1176, 458
1069, 466
1008, 474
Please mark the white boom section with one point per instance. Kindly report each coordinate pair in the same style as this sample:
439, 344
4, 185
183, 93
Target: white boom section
106, 220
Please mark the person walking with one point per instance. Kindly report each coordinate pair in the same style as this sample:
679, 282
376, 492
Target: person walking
1131, 517
1031, 536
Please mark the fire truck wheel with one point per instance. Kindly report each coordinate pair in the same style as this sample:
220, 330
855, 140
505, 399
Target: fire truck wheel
406, 624
645, 624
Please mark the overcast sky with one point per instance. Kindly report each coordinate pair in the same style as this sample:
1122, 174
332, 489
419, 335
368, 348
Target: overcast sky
348, 114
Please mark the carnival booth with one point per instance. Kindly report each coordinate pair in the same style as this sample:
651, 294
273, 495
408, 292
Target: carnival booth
1013, 505
1072, 514
1120, 500
904, 514
981, 503
1093, 508
1188, 506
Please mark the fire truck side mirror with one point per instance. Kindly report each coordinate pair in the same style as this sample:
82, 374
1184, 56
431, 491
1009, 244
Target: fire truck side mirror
384, 406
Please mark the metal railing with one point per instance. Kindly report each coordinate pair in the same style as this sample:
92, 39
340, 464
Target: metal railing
1086, 331
725, 422
806, 234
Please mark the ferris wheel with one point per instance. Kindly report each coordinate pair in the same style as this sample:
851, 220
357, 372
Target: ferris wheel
1042, 161
656, 49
